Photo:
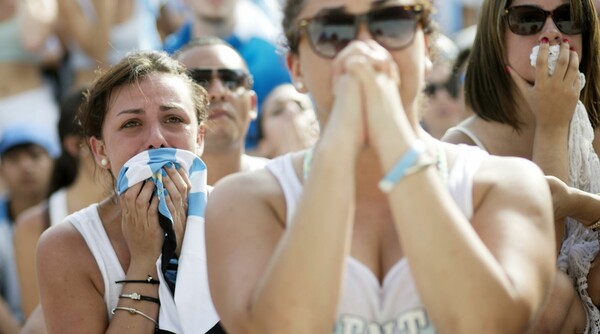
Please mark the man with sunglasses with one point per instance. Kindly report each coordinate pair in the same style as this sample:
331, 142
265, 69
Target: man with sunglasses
245, 26
222, 71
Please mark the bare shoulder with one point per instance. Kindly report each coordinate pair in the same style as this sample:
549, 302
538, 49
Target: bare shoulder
31, 222
512, 184
62, 247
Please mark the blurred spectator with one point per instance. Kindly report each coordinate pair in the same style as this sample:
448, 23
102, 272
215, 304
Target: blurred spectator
74, 186
444, 106
26, 158
25, 26
250, 31
221, 70
288, 122
99, 33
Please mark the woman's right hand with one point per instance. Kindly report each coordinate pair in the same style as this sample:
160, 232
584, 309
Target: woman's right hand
552, 98
139, 222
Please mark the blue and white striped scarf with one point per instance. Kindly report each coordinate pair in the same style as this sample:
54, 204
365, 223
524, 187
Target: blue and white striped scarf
187, 309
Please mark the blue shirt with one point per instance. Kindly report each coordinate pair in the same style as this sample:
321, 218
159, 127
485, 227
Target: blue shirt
9, 282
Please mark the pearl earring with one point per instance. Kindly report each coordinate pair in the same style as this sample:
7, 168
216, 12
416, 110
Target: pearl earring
104, 162
299, 85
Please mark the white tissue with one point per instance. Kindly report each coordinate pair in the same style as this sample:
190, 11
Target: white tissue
553, 52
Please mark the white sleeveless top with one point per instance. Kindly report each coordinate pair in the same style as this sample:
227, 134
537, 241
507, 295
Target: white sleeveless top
395, 307
88, 223
57, 206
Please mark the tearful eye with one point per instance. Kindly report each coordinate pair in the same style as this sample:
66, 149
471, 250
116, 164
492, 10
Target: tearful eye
130, 124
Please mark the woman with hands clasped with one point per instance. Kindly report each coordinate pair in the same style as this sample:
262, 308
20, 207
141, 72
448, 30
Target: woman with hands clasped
98, 272
535, 108
312, 244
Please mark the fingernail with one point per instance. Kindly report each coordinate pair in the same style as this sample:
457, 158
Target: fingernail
545, 40
572, 48
507, 69
565, 40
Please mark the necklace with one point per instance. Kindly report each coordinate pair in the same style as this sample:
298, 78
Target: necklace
441, 163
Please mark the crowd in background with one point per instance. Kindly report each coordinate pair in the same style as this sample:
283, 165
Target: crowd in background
52, 51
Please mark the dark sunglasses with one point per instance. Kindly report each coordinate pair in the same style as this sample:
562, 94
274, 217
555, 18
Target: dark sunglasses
332, 30
529, 20
232, 79
451, 86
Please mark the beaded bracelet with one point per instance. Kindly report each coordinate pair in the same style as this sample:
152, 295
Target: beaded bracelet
149, 280
595, 226
411, 162
133, 312
137, 296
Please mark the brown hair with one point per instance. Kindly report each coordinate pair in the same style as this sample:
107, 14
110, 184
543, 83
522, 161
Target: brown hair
131, 69
293, 8
489, 89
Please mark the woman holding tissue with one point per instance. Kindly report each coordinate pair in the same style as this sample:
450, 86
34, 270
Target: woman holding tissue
380, 227
113, 268
534, 84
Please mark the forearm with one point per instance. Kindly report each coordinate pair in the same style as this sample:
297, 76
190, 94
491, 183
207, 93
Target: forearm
37, 18
585, 206
300, 290
135, 323
454, 271
551, 152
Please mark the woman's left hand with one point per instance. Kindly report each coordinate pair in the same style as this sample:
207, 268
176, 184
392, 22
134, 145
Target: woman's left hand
178, 185
377, 72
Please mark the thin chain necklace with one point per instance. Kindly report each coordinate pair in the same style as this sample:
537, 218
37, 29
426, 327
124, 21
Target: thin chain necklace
441, 163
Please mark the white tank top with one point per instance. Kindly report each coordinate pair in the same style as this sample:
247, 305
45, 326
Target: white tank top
395, 307
57, 206
88, 223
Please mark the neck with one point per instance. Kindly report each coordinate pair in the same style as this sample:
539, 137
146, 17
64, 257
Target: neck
222, 163
87, 188
18, 204
210, 27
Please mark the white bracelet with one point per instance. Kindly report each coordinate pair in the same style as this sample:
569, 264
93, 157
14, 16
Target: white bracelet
133, 311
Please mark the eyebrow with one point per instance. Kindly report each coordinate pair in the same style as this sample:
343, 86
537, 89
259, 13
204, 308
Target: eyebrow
342, 9
164, 107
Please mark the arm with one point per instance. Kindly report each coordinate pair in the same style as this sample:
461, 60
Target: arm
71, 288
28, 229
37, 18
552, 100
286, 279
573, 202
507, 246
80, 29
8, 323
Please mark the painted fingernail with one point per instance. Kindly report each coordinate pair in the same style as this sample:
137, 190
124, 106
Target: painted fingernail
545, 40
565, 40
572, 48
507, 69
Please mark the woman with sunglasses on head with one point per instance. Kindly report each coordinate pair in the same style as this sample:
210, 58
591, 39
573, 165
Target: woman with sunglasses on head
379, 227
524, 109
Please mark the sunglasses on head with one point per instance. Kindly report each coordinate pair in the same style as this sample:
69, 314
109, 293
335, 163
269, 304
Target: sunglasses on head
332, 30
451, 86
529, 20
232, 79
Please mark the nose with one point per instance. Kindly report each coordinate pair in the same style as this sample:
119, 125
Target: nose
156, 138
216, 90
363, 33
551, 32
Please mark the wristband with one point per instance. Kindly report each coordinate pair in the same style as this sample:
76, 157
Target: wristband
137, 296
410, 163
149, 280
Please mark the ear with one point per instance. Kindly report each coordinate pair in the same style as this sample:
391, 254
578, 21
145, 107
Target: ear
71, 144
99, 152
296, 72
200, 140
253, 104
